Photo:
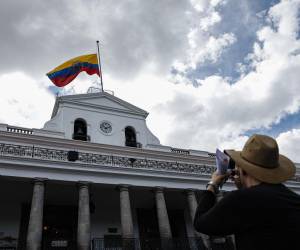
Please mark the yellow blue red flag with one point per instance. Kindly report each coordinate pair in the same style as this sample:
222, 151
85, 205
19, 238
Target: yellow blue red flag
68, 71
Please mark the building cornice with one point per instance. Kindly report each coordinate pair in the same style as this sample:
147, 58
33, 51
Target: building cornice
78, 100
103, 148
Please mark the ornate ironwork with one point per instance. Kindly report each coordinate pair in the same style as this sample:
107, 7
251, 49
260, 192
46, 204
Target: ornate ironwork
117, 243
16, 150
51, 154
98, 159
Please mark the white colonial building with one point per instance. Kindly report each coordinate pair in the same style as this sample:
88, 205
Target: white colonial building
94, 175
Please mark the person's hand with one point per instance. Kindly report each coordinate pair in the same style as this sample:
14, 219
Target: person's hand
217, 179
237, 180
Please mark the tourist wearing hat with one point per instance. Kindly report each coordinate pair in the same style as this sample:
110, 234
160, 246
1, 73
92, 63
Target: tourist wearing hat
263, 213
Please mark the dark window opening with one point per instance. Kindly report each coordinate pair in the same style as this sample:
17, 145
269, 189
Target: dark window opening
130, 137
80, 130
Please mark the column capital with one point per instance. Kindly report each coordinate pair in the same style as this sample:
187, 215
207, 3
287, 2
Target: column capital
123, 187
39, 180
159, 189
190, 191
82, 184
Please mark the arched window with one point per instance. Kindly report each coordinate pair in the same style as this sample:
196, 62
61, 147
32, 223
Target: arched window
130, 137
80, 130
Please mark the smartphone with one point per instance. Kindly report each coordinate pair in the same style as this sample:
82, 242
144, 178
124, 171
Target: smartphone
222, 162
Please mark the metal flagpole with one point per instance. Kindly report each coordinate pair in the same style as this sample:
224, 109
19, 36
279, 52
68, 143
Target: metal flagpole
99, 65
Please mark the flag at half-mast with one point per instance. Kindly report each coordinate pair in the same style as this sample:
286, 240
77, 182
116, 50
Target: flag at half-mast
68, 71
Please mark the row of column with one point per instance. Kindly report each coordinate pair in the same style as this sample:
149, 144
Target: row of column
34, 234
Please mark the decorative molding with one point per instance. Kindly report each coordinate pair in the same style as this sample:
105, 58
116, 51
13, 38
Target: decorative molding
50, 154
63, 143
76, 100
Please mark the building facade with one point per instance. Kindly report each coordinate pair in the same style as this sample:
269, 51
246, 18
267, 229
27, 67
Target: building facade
96, 177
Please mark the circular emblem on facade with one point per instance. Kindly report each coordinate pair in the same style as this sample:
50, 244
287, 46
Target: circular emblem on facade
106, 127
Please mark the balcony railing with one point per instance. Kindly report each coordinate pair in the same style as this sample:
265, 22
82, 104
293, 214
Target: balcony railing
8, 243
51, 154
20, 130
160, 244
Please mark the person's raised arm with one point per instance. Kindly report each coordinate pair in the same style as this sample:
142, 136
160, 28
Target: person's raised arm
217, 218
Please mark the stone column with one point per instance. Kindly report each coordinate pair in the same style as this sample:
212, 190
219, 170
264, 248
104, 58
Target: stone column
35, 226
192, 201
126, 215
193, 204
162, 214
163, 219
84, 223
126, 218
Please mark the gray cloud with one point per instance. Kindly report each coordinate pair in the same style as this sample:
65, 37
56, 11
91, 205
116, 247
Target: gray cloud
38, 36
140, 35
259, 99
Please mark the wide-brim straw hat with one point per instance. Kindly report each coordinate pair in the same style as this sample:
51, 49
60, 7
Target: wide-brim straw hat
260, 158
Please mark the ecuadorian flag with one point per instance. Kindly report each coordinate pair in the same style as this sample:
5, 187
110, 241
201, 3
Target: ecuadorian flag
67, 72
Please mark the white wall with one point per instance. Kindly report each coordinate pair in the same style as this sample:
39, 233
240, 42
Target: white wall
105, 110
93, 119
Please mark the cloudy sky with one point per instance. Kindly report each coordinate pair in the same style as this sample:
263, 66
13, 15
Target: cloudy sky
209, 72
